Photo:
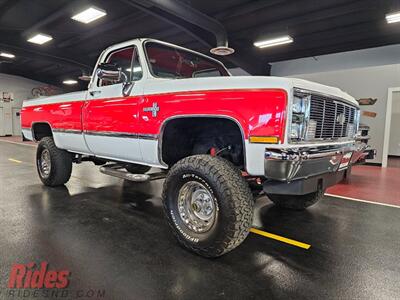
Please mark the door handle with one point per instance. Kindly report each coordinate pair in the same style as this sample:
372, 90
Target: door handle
92, 93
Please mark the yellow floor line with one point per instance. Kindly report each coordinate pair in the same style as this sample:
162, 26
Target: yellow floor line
280, 238
15, 160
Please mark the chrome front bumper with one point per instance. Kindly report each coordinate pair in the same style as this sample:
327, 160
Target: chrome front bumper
304, 162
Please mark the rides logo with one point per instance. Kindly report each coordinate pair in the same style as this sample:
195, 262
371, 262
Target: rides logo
32, 276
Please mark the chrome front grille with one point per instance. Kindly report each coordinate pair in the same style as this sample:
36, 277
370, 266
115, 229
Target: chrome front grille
320, 117
334, 118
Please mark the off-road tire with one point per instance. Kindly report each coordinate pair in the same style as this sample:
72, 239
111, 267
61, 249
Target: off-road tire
296, 202
137, 169
230, 192
61, 163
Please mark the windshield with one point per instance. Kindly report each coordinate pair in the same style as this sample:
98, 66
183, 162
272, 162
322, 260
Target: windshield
169, 62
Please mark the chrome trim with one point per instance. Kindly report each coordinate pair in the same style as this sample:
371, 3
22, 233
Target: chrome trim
307, 92
122, 134
73, 131
336, 99
304, 162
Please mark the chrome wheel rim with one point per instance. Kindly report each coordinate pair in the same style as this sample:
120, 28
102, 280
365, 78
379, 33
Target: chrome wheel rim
45, 163
197, 208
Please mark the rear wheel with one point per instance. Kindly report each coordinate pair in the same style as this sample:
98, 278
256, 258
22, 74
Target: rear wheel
54, 165
296, 202
137, 169
208, 205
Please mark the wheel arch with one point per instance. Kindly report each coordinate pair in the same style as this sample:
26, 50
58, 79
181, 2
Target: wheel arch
168, 121
40, 130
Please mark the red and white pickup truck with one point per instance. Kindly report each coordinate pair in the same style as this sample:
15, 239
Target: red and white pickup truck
153, 104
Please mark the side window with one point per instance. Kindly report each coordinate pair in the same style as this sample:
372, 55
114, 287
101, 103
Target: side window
128, 60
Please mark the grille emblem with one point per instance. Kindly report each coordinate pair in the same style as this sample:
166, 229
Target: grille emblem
341, 119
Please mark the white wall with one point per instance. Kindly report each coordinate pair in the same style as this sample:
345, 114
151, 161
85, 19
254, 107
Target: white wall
20, 86
394, 142
362, 74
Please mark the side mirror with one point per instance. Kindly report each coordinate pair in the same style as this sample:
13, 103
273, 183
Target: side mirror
110, 72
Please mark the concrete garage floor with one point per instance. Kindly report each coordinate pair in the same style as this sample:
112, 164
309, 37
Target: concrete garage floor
112, 236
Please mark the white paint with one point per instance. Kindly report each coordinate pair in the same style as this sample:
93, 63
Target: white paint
149, 150
69, 97
360, 200
386, 135
27, 134
124, 149
70, 141
394, 140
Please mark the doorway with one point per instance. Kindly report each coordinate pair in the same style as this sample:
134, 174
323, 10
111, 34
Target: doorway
391, 146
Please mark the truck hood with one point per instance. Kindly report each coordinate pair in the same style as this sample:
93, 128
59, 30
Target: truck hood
161, 86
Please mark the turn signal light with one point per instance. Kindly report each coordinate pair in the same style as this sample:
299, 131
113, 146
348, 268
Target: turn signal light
264, 139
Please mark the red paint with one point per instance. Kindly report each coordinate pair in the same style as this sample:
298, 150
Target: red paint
260, 112
371, 183
66, 115
114, 114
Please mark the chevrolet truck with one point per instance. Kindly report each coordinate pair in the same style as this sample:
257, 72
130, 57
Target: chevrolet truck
151, 104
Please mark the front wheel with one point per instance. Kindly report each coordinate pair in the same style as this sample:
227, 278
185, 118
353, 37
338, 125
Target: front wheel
54, 165
208, 205
296, 202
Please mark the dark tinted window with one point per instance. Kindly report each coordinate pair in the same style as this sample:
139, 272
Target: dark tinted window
170, 62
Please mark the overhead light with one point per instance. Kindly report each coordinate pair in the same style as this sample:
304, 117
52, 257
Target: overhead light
89, 15
40, 39
70, 81
274, 42
393, 17
222, 51
8, 55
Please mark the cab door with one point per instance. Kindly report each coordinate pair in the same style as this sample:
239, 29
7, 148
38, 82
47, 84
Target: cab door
111, 113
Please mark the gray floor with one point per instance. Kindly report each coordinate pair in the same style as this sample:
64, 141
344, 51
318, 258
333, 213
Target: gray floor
112, 236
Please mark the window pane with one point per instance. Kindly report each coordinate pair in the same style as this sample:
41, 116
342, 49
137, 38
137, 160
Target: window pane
122, 59
170, 62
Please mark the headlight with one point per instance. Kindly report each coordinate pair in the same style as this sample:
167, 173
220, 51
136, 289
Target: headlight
299, 109
295, 131
297, 105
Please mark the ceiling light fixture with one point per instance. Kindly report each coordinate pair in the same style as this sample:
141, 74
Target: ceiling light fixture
8, 55
70, 81
393, 17
89, 15
274, 42
40, 39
